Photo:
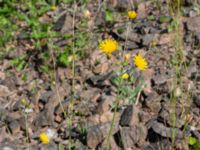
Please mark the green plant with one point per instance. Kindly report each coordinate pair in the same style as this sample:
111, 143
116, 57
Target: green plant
193, 142
19, 63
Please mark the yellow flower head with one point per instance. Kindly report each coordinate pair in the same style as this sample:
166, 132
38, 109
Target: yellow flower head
108, 46
140, 62
44, 138
125, 76
53, 8
132, 14
87, 13
24, 102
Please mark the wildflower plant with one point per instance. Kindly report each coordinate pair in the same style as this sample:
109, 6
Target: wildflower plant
129, 86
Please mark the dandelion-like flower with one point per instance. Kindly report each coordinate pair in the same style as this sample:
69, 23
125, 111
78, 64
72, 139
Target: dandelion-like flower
125, 76
140, 62
108, 46
44, 138
132, 14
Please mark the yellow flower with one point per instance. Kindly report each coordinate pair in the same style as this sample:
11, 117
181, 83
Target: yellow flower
53, 8
140, 62
108, 46
125, 76
87, 13
24, 102
44, 138
132, 14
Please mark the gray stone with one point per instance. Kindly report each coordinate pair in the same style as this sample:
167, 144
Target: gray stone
129, 116
133, 136
164, 131
45, 96
4, 91
8, 146
160, 79
193, 24
96, 134
131, 45
14, 126
45, 118
195, 76
196, 100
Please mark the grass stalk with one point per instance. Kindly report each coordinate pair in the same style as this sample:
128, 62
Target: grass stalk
71, 107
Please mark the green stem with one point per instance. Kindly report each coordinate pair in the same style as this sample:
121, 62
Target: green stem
112, 125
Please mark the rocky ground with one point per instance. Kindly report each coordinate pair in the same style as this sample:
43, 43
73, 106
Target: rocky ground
145, 126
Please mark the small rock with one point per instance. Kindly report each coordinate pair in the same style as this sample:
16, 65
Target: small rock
196, 100
198, 61
197, 38
4, 91
14, 126
45, 96
64, 23
160, 79
51, 133
167, 110
107, 117
83, 108
193, 24
50, 146
101, 68
98, 80
195, 76
91, 94
44, 118
79, 146
96, 134
133, 136
2, 75
120, 5
132, 45
164, 131
148, 38
112, 145
129, 116
65, 104
105, 104
58, 119
148, 75
142, 11
191, 69
8, 146
153, 102
165, 38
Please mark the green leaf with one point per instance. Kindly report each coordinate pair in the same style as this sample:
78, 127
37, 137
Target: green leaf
63, 59
151, 17
165, 19
44, 68
60, 147
192, 140
109, 15
68, 1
